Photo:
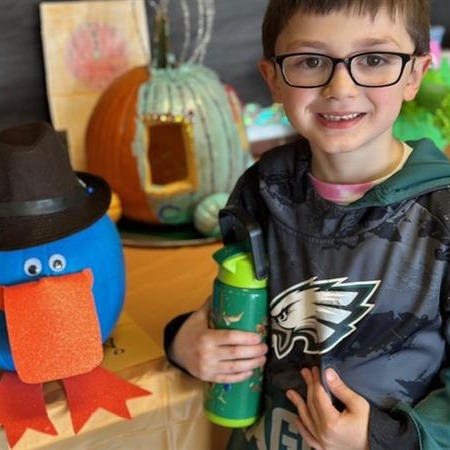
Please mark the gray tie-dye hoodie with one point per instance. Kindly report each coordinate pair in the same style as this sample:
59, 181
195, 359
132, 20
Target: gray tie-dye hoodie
362, 288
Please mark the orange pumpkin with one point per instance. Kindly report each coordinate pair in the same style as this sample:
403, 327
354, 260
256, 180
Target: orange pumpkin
105, 140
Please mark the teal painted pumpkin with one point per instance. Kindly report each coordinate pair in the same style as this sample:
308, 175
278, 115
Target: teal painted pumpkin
175, 139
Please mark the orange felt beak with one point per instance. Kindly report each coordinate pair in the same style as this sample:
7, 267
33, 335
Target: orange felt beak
53, 327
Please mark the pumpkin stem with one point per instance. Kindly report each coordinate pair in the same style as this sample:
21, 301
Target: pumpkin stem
162, 57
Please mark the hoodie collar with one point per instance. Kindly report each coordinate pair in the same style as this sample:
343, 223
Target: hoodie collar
426, 169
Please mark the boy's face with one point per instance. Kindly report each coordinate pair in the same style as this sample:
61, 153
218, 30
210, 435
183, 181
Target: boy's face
342, 116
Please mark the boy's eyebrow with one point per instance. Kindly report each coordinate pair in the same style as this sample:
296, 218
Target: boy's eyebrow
311, 44
366, 42
371, 42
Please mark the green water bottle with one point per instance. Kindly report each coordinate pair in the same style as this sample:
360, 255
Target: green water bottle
239, 302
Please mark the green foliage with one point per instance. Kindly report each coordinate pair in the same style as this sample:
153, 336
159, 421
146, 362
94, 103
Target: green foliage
416, 122
442, 117
429, 114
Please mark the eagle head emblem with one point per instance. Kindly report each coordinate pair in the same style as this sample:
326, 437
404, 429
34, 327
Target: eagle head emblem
319, 313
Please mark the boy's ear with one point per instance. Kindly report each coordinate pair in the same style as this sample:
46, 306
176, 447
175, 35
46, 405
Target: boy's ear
269, 73
420, 68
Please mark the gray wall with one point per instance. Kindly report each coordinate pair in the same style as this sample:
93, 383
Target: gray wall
440, 14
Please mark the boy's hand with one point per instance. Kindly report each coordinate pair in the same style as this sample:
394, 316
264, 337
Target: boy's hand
219, 356
321, 425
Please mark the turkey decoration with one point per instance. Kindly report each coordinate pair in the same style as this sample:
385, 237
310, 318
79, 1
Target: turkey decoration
61, 284
170, 140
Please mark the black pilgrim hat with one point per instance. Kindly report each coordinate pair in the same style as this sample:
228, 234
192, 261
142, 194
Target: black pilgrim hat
41, 198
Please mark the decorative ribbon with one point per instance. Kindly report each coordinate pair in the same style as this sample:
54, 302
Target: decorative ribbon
43, 206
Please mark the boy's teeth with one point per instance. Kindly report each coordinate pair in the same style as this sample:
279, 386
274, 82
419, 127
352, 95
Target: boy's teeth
335, 118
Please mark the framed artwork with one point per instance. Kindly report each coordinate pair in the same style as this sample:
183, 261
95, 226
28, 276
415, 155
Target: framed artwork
86, 46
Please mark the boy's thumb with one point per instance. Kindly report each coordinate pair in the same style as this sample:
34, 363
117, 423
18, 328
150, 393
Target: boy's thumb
339, 389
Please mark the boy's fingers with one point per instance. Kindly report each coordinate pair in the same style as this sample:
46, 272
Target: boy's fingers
233, 344
228, 371
295, 398
341, 391
230, 378
308, 437
303, 411
238, 352
236, 337
239, 365
307, 375
319, 402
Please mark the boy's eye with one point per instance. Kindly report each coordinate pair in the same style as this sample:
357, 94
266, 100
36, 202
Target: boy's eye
308, 62
312, 63
373, 60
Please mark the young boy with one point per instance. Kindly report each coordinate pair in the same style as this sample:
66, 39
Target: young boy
357, 228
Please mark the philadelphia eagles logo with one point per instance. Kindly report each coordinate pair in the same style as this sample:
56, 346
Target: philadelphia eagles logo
319, 313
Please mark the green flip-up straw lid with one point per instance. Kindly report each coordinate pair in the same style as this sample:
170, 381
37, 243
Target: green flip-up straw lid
236, 267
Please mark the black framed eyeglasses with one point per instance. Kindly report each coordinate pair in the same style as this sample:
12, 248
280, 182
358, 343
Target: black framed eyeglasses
369, 69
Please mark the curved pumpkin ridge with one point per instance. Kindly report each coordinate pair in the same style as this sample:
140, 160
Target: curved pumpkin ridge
111, 129
222, 119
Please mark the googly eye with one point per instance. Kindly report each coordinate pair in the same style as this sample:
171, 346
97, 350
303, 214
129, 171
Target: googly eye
32, 267
57, 262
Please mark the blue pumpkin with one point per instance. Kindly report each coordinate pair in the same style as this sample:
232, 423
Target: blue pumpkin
97, 248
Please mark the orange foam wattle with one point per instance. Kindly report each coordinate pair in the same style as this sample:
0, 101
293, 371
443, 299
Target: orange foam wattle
53, 327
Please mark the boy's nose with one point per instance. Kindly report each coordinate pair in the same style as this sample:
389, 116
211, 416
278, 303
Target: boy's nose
341, 84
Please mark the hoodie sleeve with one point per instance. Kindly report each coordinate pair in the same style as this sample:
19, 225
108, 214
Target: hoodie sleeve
425, 426
170, 331
431, 417
391, 431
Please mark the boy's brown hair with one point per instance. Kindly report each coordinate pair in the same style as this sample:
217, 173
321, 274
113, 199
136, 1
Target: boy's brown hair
416, 15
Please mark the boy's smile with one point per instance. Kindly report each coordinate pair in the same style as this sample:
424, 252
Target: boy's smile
339, 120
349, 127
